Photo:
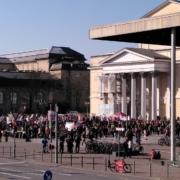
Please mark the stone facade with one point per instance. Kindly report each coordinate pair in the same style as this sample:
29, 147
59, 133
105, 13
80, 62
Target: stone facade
69, 70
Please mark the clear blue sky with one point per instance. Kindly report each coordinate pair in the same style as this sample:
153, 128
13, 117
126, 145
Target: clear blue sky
35, 24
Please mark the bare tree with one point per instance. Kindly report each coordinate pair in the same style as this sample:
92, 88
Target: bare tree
79, 87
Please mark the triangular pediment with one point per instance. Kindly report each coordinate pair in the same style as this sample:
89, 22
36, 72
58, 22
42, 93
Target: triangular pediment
167, 7
125, 57
133, 55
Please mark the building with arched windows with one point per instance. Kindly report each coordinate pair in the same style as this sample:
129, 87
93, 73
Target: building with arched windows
35, 79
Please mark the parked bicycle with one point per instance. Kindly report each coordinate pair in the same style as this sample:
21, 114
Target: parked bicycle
164, 140
117, 167
137, 147
102, 147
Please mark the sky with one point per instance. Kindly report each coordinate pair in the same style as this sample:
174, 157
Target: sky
37, 24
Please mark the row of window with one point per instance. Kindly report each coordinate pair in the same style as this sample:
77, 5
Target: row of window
26, 97
13, 97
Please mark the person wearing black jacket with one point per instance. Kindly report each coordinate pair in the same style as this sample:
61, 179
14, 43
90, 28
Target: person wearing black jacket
77, 141
129, 139
125, 146
62, 139
70, 145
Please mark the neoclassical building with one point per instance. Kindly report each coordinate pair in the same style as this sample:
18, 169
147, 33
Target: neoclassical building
132, 80
26, 79
136, 81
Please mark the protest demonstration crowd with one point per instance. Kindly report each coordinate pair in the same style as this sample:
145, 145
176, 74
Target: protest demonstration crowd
75, 128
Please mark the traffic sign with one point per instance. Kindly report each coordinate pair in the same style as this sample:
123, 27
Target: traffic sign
15, 115
50, 124
19, 123
120, 129
48, 175
51, 115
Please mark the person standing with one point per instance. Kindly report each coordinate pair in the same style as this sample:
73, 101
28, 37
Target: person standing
83, 137
138, 136
6, 136
0, 135
77, 141
125, 146
44, 144
62, 139
129, 139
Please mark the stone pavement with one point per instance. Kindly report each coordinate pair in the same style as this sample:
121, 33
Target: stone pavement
32, 152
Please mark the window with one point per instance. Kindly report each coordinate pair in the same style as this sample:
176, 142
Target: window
13, 97
51, 94
26, 98
67, 79
1, 98
39, 96
87, 93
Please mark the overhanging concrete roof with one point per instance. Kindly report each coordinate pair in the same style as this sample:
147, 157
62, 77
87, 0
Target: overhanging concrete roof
154, 30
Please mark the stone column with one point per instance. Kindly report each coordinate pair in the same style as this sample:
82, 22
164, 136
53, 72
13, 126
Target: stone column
158, 96
168, 102
109, 83
133, 95
154, 96
123, 102
143, 95
118, 92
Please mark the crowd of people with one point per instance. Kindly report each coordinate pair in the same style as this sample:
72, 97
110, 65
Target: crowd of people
35, 126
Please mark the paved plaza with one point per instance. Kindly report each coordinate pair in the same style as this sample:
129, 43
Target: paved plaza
31, 153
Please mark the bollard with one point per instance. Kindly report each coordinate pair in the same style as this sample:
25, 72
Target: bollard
167, 170
33, 154
51, 156
105, 164
25, 153
42, 155
93, 163
134, 168
3, 150
71, 159
82, 161
10, 151
61, 158
150, 169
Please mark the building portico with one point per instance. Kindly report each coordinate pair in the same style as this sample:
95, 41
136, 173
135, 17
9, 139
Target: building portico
130, 82
158, 29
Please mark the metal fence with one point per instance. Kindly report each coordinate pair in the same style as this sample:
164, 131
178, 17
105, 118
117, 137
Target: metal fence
88, 161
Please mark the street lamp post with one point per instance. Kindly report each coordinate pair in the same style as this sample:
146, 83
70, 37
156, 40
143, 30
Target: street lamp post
87, 103
56, 133
138, 103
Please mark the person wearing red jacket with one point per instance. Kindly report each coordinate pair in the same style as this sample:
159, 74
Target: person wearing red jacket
153, 154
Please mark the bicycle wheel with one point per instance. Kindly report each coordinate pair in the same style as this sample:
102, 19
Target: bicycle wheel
127, 168
113, 167
160, 142
141, 149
